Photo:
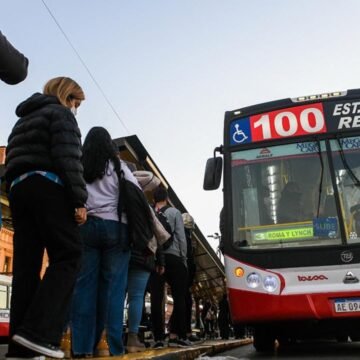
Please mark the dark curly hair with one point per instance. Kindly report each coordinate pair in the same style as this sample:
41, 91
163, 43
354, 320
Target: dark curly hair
98, 150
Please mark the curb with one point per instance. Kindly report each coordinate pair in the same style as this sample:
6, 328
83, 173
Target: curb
208, 348
202, 350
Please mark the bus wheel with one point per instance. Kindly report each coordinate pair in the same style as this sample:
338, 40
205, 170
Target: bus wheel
342, 338
264, 341
4, 339
285, 341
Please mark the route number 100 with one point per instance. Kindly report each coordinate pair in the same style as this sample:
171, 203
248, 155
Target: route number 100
295, 121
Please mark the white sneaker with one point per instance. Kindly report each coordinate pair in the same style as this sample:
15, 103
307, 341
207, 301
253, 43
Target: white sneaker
42, 348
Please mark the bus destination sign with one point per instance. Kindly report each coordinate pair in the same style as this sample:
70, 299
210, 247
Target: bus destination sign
296, 121
343, 115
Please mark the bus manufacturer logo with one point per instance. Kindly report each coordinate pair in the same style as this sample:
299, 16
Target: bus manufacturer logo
350, 278
312, 277
346, 256
264, 153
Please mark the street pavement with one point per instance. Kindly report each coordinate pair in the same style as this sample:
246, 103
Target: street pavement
312, 350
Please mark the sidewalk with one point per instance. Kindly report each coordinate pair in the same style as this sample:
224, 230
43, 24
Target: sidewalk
209, 348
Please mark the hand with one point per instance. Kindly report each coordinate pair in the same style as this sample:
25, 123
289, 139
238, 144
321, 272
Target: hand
80, 215
160, 269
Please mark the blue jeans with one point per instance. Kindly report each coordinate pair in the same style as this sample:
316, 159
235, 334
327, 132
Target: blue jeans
99, 295
137, 281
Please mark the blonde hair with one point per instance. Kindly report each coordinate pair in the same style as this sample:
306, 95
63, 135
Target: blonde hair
188, 221
65, 89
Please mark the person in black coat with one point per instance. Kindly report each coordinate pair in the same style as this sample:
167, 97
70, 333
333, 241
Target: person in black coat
189, 225
224, 319
13, 64
47, 194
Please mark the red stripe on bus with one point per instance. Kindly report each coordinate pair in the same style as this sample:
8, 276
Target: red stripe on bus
266, 307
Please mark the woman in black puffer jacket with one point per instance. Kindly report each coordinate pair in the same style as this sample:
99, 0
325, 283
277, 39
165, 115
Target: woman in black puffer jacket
47, 197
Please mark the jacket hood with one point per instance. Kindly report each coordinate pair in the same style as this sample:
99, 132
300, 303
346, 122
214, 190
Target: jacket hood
35, 102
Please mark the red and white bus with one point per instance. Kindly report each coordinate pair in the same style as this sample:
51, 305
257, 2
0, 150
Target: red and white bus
5, 295
292, 217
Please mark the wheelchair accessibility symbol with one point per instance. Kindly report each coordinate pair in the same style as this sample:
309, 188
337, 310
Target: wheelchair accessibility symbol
239, 136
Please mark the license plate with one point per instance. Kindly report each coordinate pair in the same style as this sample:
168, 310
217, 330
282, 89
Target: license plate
347, 305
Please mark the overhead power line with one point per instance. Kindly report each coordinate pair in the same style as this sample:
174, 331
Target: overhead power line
86, 67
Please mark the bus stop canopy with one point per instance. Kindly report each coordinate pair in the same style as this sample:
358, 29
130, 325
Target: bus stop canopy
209, 283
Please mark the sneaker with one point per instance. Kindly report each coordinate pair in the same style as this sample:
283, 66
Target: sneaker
195, 339
40, 357
42, 348
159, 345
180, 343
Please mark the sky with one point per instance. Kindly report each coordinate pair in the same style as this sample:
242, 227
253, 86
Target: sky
171, 68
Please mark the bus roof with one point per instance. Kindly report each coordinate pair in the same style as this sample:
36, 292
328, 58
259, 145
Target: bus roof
288, 102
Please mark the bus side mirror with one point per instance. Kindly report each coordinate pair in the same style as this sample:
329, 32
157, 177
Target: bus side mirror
213, 172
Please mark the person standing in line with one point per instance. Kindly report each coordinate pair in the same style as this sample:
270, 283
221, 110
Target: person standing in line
210, 321
191, 267
13, 64
156, 285
224, 319
140, 267
204, 317
99, 295
47, 195
175, 274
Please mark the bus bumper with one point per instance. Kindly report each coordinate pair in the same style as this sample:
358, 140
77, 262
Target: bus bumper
261, 307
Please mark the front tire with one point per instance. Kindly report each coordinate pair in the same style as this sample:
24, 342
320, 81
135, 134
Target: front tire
342, 338
264, 341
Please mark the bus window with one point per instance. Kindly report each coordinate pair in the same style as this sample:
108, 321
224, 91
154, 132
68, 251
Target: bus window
291, 206
346, 157
3, 297
7, 264
282, 196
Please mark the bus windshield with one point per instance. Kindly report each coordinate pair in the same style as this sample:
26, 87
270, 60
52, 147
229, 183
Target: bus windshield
283, 195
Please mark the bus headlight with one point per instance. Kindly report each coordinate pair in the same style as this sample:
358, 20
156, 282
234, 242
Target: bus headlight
253, 280
270, 283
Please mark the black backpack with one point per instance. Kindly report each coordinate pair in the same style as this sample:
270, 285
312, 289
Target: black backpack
133, 201
160, 214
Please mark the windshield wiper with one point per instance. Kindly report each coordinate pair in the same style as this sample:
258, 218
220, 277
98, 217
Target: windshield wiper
321, 176
353, 177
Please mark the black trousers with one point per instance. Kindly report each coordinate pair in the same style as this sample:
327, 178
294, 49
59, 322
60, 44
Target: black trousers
157, 288
224, 325
43, 218
188, 296
176, 276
